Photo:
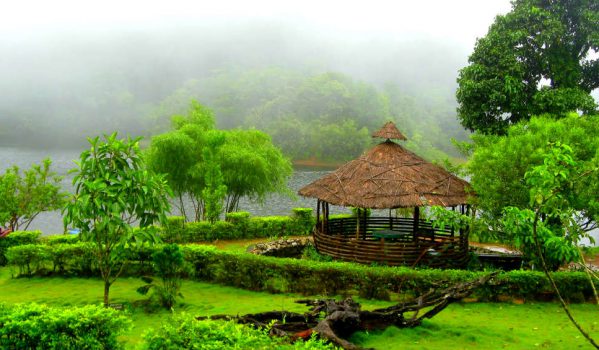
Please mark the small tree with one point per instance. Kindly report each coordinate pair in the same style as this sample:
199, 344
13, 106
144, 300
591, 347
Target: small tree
24, 195
113, 191
548, 225
168, 265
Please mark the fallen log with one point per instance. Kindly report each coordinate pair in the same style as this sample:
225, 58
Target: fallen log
337, 320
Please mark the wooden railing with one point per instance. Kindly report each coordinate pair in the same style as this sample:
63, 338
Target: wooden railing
352, 240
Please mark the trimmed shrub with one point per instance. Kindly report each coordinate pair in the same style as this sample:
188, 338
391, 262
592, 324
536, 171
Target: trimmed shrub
29, 258
65, 259
15, 239
333, 278
278, 275
33, 326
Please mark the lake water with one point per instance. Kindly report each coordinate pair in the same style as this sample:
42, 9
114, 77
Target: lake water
63, 161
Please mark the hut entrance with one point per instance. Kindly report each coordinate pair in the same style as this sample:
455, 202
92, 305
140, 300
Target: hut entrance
389, 177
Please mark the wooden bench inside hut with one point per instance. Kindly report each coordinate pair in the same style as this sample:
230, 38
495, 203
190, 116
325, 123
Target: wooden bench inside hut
389, 177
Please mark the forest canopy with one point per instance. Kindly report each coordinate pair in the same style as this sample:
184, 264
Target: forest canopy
327, 116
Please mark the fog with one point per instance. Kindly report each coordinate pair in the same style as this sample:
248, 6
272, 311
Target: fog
70, 69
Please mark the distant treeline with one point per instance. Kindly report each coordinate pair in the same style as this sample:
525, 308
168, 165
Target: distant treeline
328, 117
322, 116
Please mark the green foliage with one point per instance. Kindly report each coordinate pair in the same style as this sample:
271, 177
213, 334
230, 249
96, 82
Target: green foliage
25, 195
243, 163
112, 191
328, 116
310, 253
549, 221
537, 41
252, 167
186, 332
59, 239
215, 190
15, 239
168, 265
28, 257
197, 115
33, 326
70, 259
499, 163
239, 225
283, 275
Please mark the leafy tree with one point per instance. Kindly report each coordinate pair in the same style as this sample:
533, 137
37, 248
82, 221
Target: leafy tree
249, 164
498, 165
24, 195
536, 59
112, 192
547, 224
252, 167
215, 190
546, 227
168, 265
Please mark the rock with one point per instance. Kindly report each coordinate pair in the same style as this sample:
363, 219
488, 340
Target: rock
283, 248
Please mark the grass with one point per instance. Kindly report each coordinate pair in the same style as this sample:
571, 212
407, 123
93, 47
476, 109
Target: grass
201, 299
491, 326
460, 326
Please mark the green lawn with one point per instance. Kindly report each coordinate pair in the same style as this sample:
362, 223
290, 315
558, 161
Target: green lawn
461, 326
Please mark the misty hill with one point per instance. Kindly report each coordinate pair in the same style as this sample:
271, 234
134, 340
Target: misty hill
58, 88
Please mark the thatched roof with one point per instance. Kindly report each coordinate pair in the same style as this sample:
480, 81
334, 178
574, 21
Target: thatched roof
389, 176
389, 131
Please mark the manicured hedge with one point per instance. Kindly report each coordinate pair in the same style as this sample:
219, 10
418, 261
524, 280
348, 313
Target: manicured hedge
308, 277
33, 326
15, 239
239, 225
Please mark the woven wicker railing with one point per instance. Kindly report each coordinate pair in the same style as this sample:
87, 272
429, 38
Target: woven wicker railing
346, 239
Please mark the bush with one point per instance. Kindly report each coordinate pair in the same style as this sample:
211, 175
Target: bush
33, 326
29, 258
169, 266
185, 332
15, 239
66, 259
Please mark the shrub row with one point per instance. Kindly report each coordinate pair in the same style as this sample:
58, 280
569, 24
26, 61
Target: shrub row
239, 225
33, 326
309, 277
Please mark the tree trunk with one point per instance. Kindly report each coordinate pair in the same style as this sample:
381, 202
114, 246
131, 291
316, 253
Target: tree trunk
106, 292
345, 317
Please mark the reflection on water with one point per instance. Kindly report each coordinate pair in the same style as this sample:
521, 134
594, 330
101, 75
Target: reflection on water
62, 162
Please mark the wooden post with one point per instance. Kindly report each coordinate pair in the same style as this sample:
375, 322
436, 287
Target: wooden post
326, 217
317, 214
365, 216
416, 219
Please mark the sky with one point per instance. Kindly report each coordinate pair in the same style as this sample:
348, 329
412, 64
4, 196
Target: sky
457, 21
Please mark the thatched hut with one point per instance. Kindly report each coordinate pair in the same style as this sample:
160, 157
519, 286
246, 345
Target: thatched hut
389, 177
